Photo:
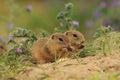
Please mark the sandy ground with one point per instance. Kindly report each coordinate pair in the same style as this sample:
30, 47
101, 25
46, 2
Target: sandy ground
89, 68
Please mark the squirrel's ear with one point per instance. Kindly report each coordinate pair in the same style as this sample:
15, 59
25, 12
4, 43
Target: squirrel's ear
53, 36
66, 33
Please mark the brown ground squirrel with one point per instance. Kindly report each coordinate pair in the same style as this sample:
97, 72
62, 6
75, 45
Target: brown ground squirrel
76, 39
46, 49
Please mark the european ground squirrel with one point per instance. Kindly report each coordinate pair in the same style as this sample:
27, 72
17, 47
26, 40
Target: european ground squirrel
47, 49
76, 39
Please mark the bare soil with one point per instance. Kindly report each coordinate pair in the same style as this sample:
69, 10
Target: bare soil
93, 67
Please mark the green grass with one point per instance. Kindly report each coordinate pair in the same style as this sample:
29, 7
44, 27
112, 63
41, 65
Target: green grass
105, 43
11, 65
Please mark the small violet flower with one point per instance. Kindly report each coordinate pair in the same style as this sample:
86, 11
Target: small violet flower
96, 14
103, 4
115, 3
10, 25
75, 23
19, 50
61, 15
29, 8
89, 23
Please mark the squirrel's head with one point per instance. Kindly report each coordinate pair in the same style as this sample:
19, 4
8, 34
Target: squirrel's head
60, 39
76, 39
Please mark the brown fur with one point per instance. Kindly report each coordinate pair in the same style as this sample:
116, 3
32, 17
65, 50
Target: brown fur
76, 39
46, 49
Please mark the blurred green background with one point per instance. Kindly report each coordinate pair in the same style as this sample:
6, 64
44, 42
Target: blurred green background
39, 15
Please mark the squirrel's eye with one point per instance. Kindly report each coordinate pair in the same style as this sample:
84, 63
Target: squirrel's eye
74, 35
60, 39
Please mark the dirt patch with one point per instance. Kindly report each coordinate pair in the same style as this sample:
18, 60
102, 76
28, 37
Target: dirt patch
72, 69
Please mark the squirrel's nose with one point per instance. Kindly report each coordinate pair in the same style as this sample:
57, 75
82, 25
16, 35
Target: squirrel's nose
83, 42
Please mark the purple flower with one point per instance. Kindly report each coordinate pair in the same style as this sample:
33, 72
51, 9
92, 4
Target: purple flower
29, 8
61, 15
11, 38
10, 25
106, 22
89, 23
103, 4
61, 24
75, 23
115, 3
19, 50
96, 14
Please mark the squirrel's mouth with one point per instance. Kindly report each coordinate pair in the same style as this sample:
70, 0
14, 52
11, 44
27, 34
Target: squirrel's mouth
69, 49
81, 46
